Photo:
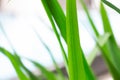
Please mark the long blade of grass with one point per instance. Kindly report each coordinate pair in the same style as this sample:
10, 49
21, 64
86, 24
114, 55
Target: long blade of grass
74, 56
111, 44
78, 67
110, 51
58, 15
44, 2
111, 5
48, 75
89, 18
51, 55
15, 64
30, 74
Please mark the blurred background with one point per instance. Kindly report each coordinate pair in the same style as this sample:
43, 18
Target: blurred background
19, 19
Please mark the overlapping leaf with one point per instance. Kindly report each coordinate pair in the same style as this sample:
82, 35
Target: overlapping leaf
111, 49
102, 41
15, 64
49, 14
58, 15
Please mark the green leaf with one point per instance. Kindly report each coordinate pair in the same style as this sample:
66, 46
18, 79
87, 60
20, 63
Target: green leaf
111, 5
58, 15
15, 64
30, 74
78, 67
89, 18
48, 75
112, 44
44, 2
111, 49
51, 56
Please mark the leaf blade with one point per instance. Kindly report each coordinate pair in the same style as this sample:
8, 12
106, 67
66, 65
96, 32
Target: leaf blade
56, 32
15, 64
58, 16
49, 75
77, 61
89, 18
111, 5
111, 52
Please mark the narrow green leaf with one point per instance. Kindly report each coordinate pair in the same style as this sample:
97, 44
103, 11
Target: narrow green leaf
44, 2
89, 18
58, 15
111, 5
111, 44
30, 74
78, 67
111, 52
15, 64
51, 55
48, 75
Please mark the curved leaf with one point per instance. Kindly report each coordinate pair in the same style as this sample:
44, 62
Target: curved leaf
15, 64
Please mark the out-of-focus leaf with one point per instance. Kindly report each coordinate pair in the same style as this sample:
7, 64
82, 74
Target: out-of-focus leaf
112, 44
15, 64
30, 74
89, 18
111, 49
6, 36
48, 75
102, 41
51, 56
